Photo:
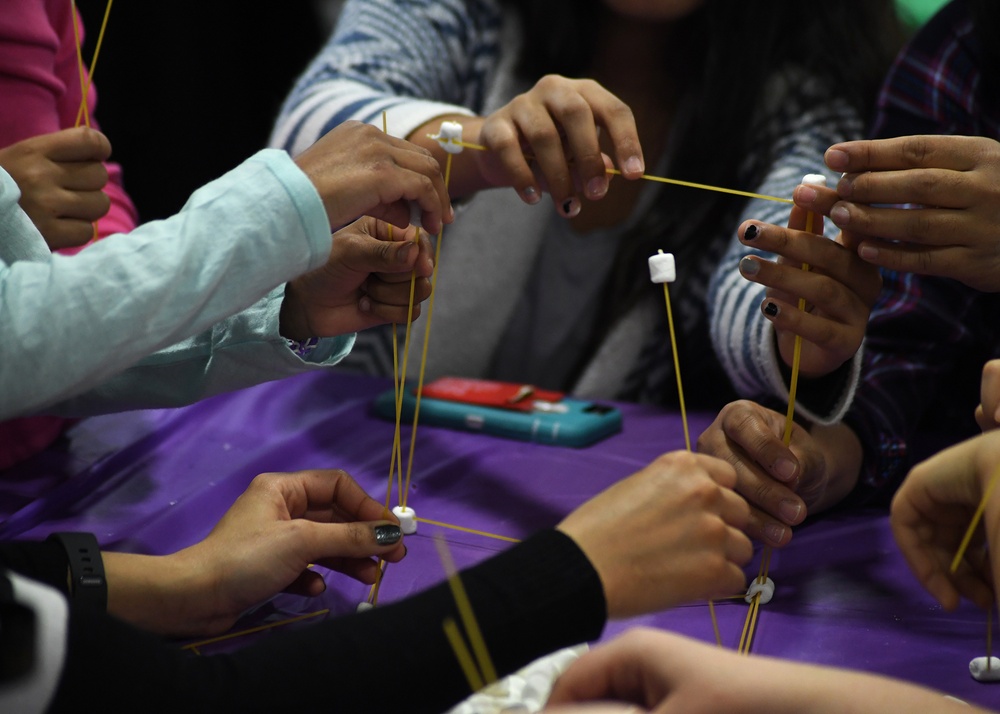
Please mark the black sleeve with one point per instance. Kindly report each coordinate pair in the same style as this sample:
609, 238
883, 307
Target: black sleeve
539, 596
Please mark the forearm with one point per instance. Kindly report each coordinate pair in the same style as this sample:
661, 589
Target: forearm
528, 602
806, 688
167, 595
237, 352
435, 64
127, 296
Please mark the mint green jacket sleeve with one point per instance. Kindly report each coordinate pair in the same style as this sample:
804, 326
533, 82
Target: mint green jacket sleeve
175, 311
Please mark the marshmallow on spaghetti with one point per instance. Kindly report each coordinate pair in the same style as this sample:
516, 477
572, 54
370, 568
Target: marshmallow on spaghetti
981, 673
766, 590
814, 179
407, 519
449, 136
364, 605
661, 268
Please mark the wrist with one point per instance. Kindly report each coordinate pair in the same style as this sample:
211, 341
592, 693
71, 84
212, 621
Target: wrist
168, 595
292, 322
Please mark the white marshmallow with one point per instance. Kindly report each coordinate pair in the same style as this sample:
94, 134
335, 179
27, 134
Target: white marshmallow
407, 519
661, 268
979, 672
364, 605
766, 590
814, 179
450, 133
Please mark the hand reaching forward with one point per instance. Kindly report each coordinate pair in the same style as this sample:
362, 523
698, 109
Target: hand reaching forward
263, 545
953, 185
359, 170
365, 282
61, 176
666, 535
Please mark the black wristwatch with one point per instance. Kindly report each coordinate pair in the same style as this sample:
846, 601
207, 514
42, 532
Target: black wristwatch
88, 585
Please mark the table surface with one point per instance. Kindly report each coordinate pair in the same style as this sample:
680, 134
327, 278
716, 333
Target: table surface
156, 481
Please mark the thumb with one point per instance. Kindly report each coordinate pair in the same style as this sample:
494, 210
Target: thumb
358, 539
371, 255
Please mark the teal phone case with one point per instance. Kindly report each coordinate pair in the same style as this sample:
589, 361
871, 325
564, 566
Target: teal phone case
582, 424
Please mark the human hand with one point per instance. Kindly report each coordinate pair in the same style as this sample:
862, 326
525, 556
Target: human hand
955, 181
365, 282
262, 545
988, 411
839, 289
61, 176
666, 673
548, 139
932, 510
781, 483
669, 534
359, 170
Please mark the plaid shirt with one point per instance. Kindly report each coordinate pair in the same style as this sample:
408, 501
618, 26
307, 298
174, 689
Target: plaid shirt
928, 337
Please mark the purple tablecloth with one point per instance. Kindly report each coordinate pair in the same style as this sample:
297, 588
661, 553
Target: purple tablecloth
156, 481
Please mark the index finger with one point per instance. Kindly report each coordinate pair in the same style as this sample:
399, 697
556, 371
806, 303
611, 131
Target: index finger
331, 495
78, 144
904, 152
617, 119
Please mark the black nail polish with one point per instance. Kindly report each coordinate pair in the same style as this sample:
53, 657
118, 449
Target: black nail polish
387, 535
770, 309
750, 233
567, 206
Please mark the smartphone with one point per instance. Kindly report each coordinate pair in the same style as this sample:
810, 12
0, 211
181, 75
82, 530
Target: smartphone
566, 422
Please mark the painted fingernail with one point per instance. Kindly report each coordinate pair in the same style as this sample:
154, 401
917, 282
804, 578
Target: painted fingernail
770, 309
867, 252
749, 266
633, 165
597, 187
388, 534
785, 469
837, 159
840, 215
790, 510
530, 195
571, 208
774, 532
751, 232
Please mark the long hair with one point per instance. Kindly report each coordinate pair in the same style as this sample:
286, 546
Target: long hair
735, 47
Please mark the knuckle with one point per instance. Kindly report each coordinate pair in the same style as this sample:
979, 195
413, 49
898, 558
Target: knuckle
915, 150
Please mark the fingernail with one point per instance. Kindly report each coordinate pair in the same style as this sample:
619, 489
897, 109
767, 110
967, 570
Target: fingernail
845, 187
633, 165
365, 304
785, 468
774, 532
841, 216
751, 232
805, 194
770, 309
789, 510
405, 252
749, 266
571, 207
837, 159
530, 195
388, 534
597, 187
868, 253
